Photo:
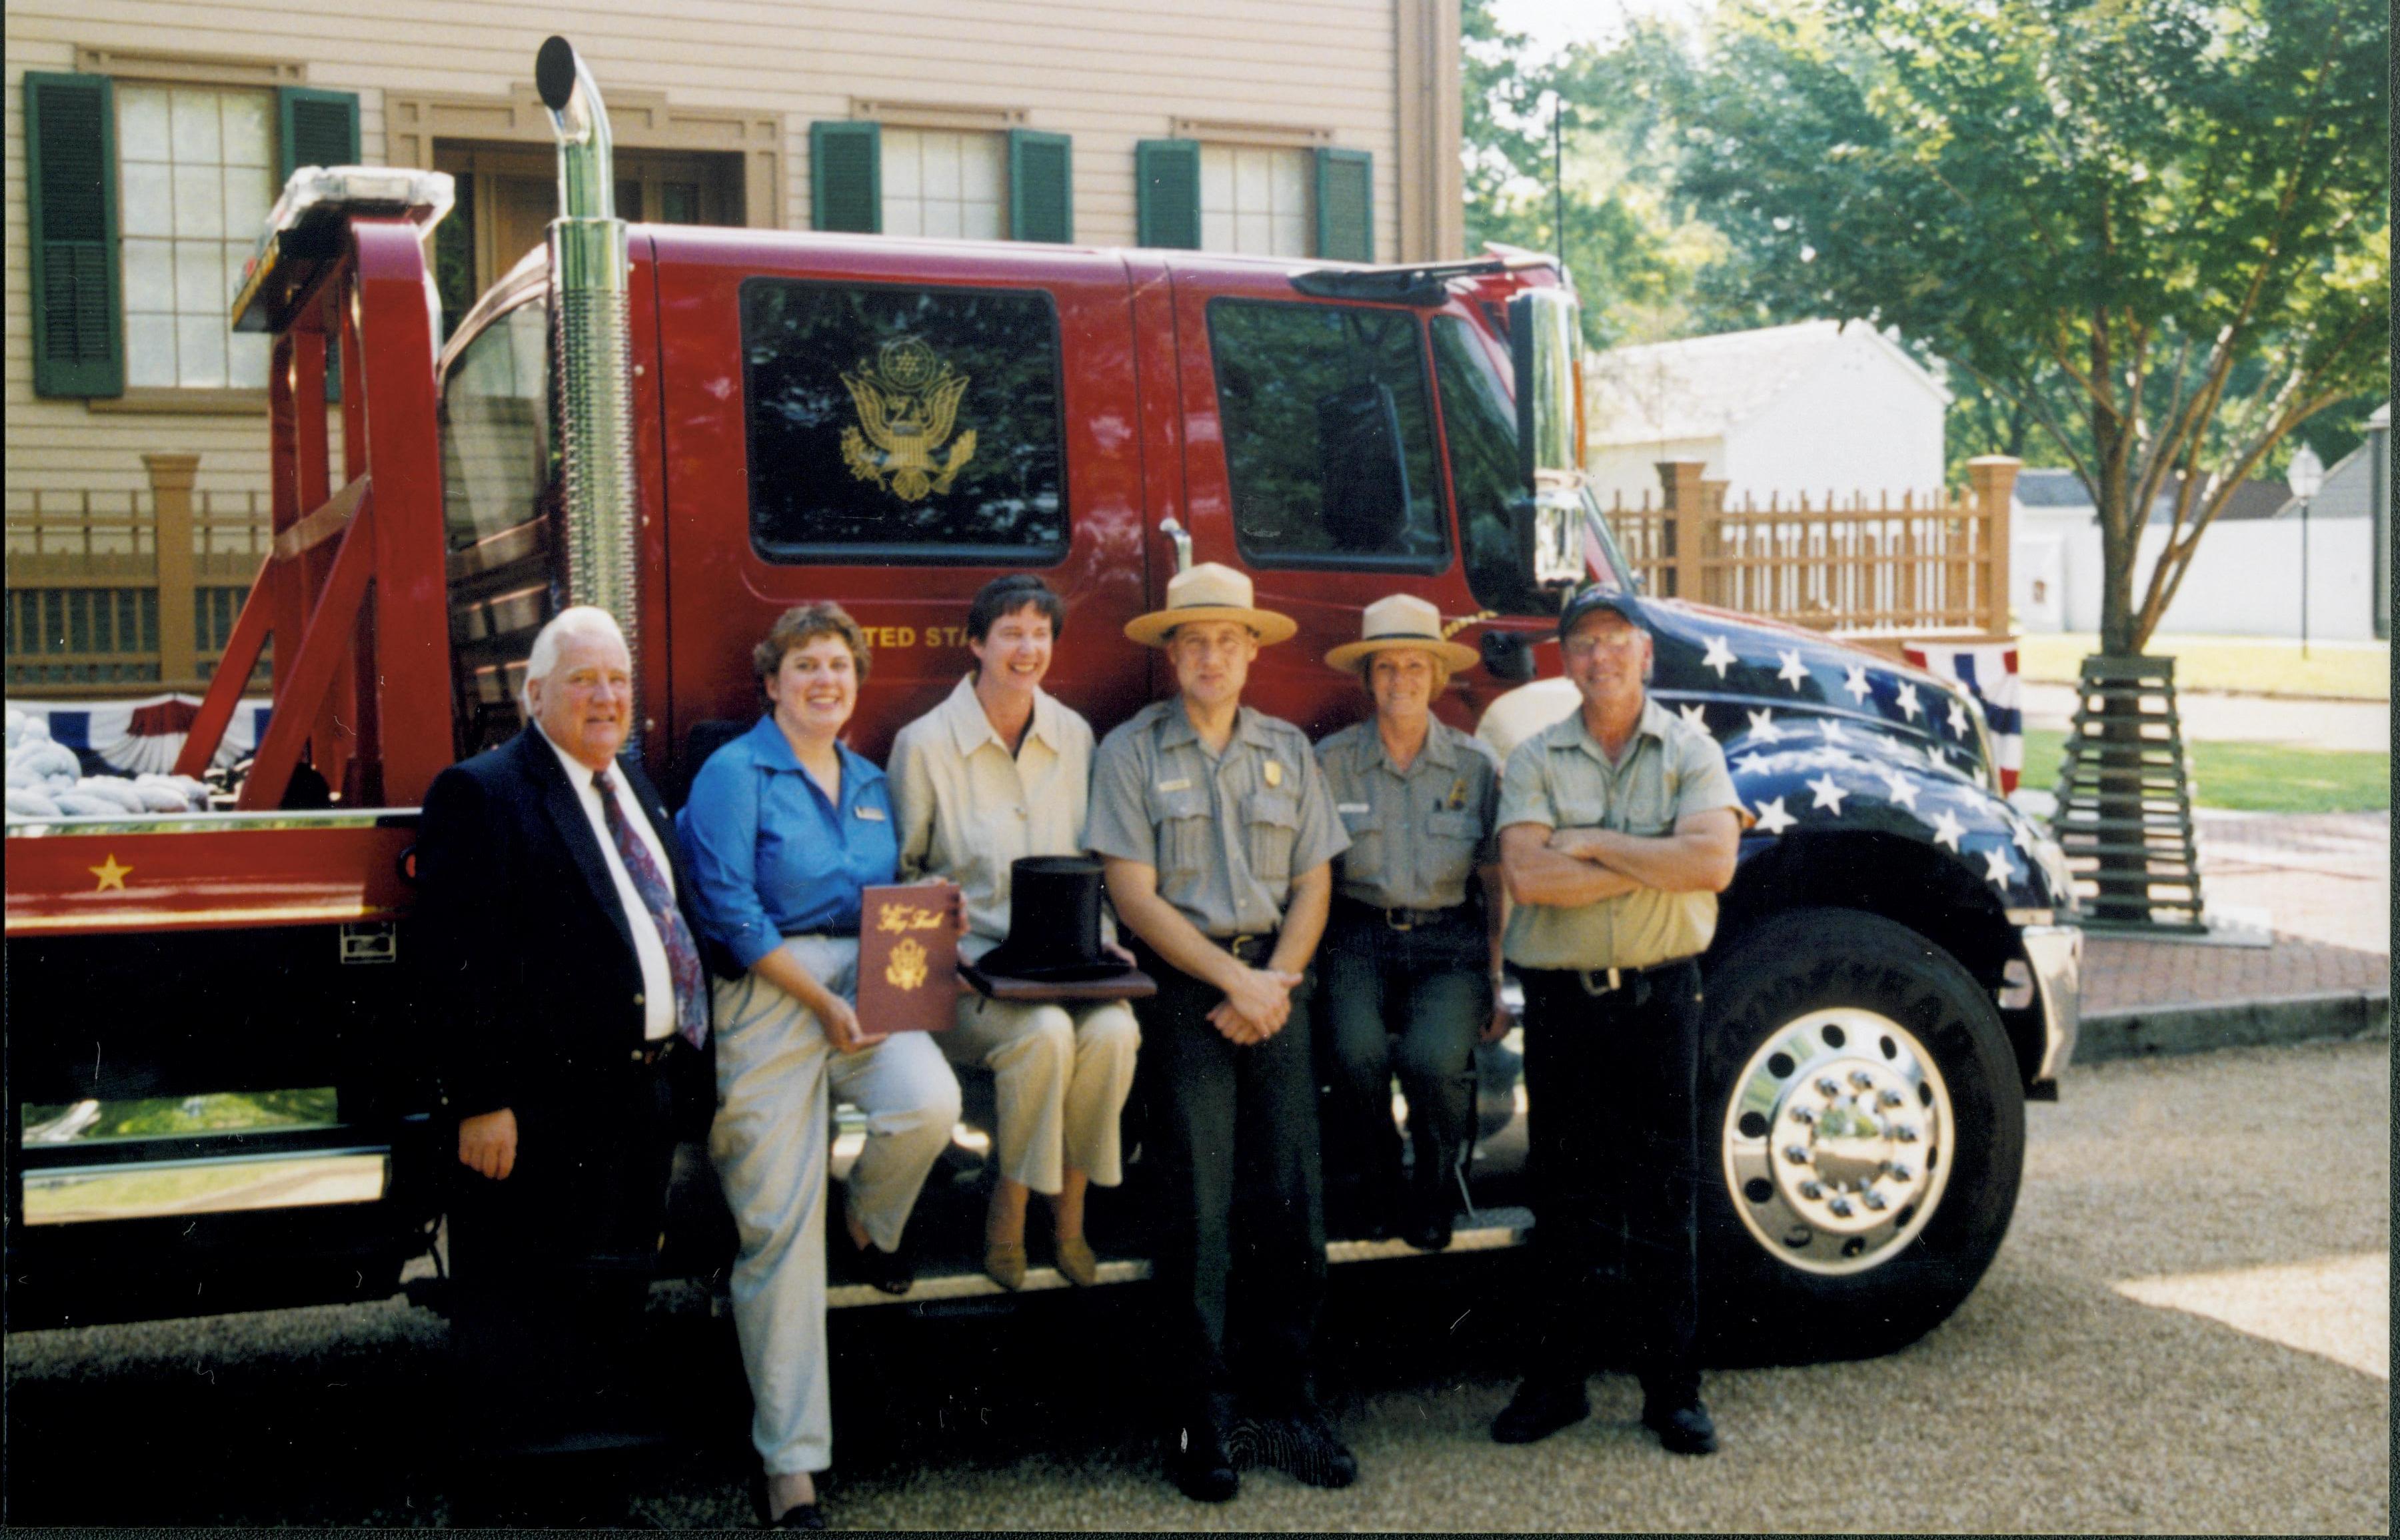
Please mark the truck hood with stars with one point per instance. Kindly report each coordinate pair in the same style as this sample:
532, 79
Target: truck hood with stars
1825, 738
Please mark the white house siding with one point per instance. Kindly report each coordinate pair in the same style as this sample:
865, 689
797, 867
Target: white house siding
1108, 73
2244, 581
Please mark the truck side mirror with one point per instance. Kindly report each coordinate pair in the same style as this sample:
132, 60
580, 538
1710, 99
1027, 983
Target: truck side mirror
1508, 655
1360, 466
1546, 343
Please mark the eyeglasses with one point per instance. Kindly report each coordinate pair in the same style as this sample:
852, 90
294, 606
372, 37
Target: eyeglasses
1583, 646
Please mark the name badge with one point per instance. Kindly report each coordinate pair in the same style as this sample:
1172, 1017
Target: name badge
871, 816
1181, 783
1352, 807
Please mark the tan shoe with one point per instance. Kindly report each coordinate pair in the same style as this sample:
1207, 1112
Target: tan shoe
1076, 1262
1003, 1262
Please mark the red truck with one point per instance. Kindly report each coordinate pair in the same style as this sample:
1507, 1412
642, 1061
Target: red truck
698, 428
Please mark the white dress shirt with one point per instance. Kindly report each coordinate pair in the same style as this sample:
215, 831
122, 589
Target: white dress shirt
650, 948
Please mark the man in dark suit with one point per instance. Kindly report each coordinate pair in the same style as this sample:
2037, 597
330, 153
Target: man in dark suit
568, 1004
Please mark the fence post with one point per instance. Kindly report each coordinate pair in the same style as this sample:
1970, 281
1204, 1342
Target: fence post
1994, 477
1679, 526
170, 503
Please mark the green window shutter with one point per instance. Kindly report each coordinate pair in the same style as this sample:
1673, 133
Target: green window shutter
846, 176
318, 129
71, 231
1346, 205
1041, 187
1166, 179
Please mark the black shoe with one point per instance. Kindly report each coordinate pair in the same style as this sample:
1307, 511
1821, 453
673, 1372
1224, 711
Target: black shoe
1540, 1409
891, 1272
1197, 1462
1683, 1429
800, 1515
1304, 1447
1429, 1224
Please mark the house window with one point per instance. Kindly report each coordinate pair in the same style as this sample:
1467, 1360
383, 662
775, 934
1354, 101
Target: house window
1256, 200
197, 174
941, 181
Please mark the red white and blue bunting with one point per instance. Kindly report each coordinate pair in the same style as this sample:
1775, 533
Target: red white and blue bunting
145, 736
1989, 671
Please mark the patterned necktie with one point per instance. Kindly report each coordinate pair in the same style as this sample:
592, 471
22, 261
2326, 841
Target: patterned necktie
683, 956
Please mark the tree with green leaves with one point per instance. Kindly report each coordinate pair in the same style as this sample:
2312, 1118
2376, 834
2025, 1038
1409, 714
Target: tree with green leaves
2157, 230
1634, 253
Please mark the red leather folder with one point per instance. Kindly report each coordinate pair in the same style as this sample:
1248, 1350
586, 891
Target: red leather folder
908, 958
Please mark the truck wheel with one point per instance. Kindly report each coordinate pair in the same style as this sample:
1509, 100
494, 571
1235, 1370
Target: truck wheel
1861, 1136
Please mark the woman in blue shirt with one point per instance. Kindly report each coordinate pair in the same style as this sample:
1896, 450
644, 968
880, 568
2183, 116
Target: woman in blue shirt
785, 828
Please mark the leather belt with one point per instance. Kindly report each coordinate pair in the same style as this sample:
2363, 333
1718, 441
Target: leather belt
1601, 981
1409, 920
1250, 950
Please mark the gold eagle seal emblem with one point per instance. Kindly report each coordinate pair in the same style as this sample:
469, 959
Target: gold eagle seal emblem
907, 968
907, 402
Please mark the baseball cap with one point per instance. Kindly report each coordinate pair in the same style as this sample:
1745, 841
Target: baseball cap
1592, 597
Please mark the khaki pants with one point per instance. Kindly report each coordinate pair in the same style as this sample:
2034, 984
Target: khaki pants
1062, 1074
771, 1143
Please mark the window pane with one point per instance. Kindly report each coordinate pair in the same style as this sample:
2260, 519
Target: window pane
247, 356
149, 349
200, 349
1329, 435
248, 196
980, 221
903, 422
941, 165
142, 132
1253, 233
1288, 236
198, 138
904, 217
903, 158
1216, 179
496, 471
942, 218
199, 277
200, 201
149, 276
1217, 230
680, 202
248, 134
1478, 413
1251, 181
979, 167
149, 206
1288, 184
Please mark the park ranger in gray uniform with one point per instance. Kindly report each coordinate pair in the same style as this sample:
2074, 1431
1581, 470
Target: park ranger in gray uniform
1619, 827
1217, 832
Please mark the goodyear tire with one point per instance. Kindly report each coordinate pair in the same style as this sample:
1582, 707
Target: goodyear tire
1862, 1133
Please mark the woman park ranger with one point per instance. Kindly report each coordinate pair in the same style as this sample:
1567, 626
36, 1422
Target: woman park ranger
1412, 953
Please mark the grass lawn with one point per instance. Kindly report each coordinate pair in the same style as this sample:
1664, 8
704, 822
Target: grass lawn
2253, 777
2238, 665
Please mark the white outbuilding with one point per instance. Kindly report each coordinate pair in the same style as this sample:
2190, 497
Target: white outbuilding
1819, 407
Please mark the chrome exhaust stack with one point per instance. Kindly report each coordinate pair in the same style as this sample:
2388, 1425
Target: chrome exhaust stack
592, 332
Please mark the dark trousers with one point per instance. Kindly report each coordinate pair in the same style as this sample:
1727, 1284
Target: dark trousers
1610, 1083
1239, 1258
1413, 999
549, 1269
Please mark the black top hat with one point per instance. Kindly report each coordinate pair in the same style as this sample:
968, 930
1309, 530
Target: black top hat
1054, 923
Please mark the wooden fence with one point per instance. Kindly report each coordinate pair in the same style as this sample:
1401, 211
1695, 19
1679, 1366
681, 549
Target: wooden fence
129, 593
1859, 568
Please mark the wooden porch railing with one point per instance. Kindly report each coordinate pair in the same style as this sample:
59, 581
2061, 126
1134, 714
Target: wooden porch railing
1854, 567
128, 593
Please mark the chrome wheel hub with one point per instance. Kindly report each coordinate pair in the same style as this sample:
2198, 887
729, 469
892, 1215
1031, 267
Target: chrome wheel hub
1836, 1140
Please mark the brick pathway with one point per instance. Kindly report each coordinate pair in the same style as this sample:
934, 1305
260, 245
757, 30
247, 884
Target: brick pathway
2325, 882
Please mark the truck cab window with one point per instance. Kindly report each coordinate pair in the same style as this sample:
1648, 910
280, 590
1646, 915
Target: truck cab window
903, 423
1329, 436
495, 497
1478, 415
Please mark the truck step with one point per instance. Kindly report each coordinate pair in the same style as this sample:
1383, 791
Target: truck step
1484, 1230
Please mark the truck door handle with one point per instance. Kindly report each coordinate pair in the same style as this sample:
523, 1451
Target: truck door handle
1182, 538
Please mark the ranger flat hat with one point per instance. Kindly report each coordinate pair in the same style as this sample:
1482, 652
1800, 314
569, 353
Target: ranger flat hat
1210, 591
1400, 621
